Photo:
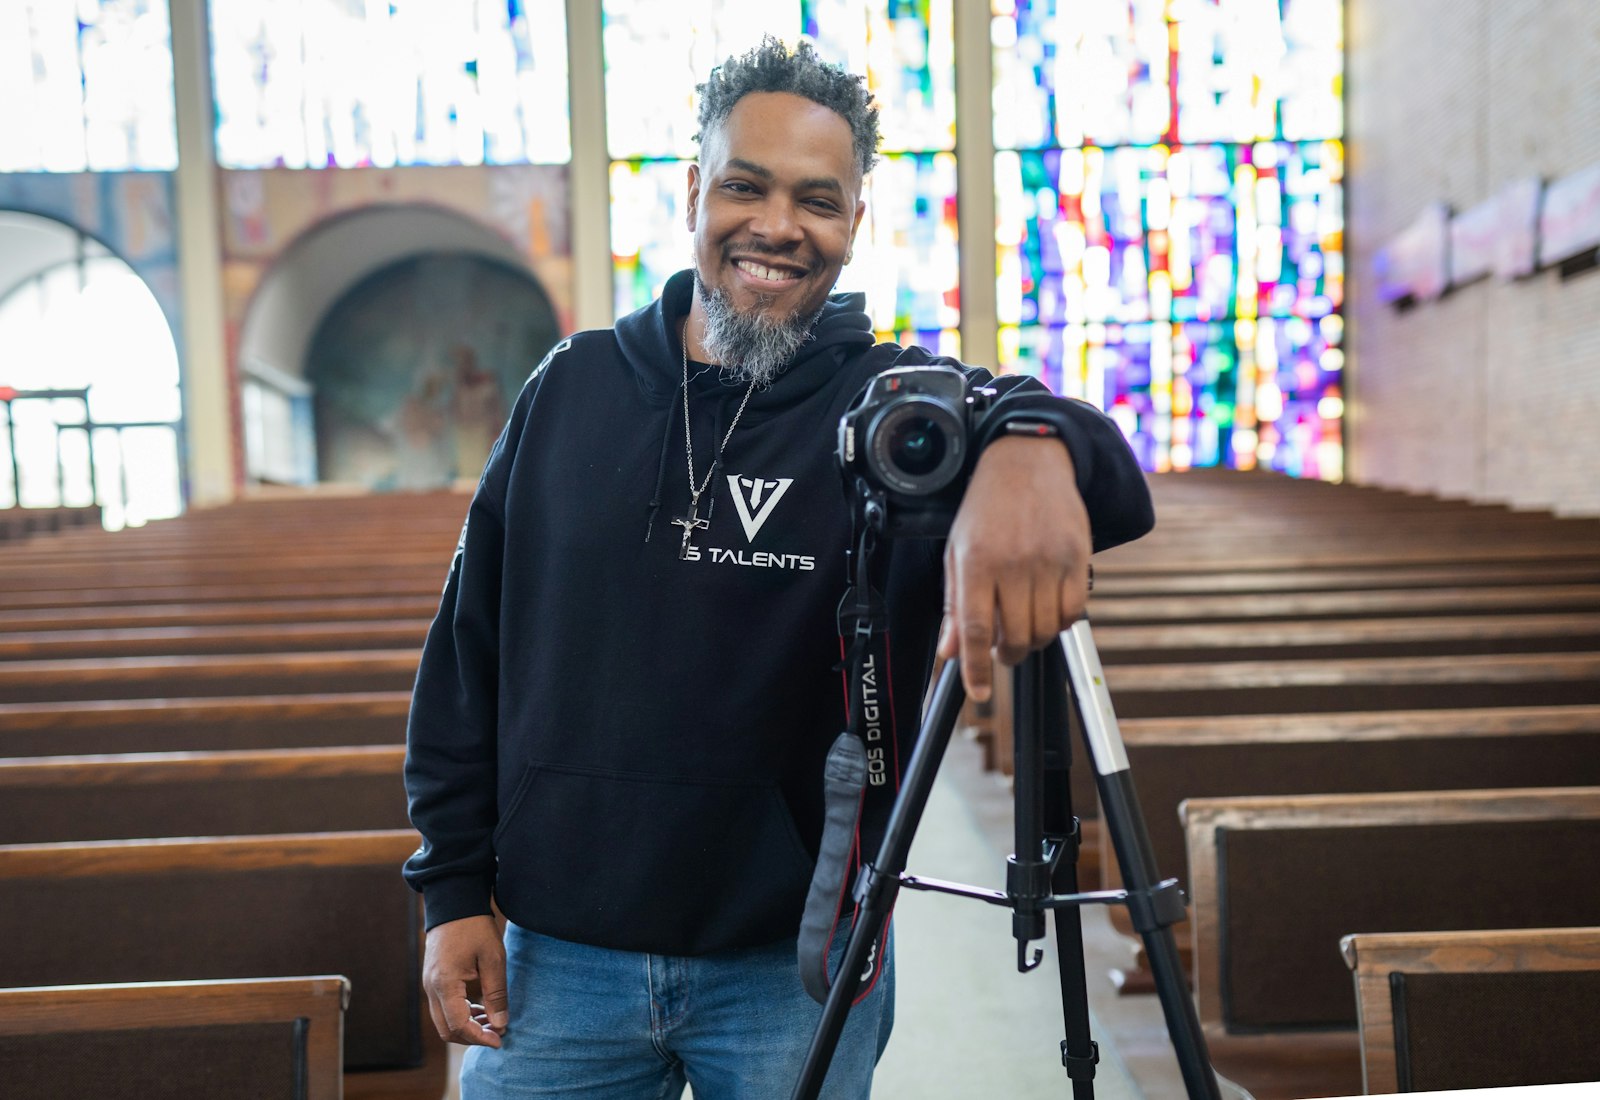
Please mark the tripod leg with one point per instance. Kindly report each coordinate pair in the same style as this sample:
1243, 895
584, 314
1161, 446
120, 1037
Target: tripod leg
1079, 1053
879, 884
1153, 907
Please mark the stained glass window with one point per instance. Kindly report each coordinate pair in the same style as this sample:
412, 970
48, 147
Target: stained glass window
86, 85
1169, 220
905, 254
350, 83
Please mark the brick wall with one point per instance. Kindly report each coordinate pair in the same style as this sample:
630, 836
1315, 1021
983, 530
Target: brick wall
1492, 393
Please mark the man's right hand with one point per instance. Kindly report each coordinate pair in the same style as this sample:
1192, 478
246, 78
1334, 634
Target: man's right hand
458, 952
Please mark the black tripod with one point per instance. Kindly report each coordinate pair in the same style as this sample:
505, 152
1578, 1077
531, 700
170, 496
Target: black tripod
1042, 874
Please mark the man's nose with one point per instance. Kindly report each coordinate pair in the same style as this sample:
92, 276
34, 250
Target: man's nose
776, 223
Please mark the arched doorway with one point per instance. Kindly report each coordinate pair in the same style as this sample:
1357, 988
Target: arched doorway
415, 369
90, 395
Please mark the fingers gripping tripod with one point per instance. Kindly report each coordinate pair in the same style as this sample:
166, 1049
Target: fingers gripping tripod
1042, 874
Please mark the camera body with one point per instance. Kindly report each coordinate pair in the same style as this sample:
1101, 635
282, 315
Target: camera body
905, 447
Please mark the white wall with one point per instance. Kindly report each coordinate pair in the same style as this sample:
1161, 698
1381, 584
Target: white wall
1492, 393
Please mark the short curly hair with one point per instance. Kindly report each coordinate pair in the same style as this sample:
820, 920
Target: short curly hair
771, 67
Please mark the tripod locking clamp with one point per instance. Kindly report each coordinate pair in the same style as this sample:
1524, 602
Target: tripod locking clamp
1161, 906
874, 886
1081, 1068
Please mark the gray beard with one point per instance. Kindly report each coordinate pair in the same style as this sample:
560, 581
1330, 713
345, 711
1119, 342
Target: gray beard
750, 347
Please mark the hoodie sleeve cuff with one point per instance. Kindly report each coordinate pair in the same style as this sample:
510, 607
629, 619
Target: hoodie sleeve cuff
1108, 476
448, 899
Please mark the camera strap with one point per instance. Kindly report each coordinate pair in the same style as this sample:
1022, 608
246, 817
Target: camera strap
860, 779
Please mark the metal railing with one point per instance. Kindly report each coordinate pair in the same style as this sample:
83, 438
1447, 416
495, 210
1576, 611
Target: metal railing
114, 498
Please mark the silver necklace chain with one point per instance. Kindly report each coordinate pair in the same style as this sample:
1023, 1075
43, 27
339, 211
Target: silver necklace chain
688, 438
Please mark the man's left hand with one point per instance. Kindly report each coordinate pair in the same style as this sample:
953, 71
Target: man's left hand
1017, 560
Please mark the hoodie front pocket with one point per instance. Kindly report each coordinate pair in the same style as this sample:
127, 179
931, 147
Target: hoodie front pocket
653, 864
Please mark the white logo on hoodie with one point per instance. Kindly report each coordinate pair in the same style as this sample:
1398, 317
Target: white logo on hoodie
755, 498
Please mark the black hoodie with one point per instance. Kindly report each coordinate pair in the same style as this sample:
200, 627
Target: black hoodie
626, 746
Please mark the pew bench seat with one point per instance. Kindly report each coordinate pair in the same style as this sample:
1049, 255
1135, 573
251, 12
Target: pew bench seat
273, 1038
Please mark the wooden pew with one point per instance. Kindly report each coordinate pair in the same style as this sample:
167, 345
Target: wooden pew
1274, 522
236, 907
1289, 667
1110, 581
1458, 1010
340, 609
181, 641
240, 793
263, 1037
195, 725
1373, 683
1277, 882
1191, 694
1268, 607
1241, 688
387, 582
208, 675
1335, 639
1173, 759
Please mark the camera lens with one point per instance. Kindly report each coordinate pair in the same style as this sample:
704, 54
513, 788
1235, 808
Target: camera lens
914, 446
917, 446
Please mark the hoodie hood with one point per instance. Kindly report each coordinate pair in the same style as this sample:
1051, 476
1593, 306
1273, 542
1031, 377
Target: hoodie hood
650, 342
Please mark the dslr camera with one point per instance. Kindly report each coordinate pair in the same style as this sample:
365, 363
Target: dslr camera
905, 448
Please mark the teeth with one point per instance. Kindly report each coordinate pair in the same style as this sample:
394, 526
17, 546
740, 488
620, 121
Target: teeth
760, 272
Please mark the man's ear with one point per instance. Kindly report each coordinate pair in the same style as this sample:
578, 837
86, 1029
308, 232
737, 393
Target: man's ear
855, 226
694, 196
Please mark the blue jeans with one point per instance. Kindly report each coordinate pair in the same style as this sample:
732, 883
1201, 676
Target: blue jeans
600, 1024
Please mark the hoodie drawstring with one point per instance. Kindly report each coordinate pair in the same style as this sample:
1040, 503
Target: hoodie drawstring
661, 471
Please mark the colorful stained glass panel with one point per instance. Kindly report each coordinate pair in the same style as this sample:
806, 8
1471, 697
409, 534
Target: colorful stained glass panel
1170, 222
86, 85
347, 83
1142, 233
1140, 72
1241, 394
906, 259
656, 54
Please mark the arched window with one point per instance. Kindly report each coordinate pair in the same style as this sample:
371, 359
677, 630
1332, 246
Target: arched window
91, 377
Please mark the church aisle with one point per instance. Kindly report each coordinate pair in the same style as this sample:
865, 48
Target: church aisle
967, 1025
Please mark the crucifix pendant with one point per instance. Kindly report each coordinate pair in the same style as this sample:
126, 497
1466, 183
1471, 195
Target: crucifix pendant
690, 524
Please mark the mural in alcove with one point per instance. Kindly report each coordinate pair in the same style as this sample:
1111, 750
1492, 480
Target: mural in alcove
416, 368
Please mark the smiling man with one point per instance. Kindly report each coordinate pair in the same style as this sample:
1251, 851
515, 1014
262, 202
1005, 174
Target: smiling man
620, 720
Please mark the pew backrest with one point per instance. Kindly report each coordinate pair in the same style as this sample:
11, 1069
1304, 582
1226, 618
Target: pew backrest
263, 1037
179, 794
208, 675
98, 726
1276, 882
1457, 1010
1368, 683
228, 907
1172, 759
